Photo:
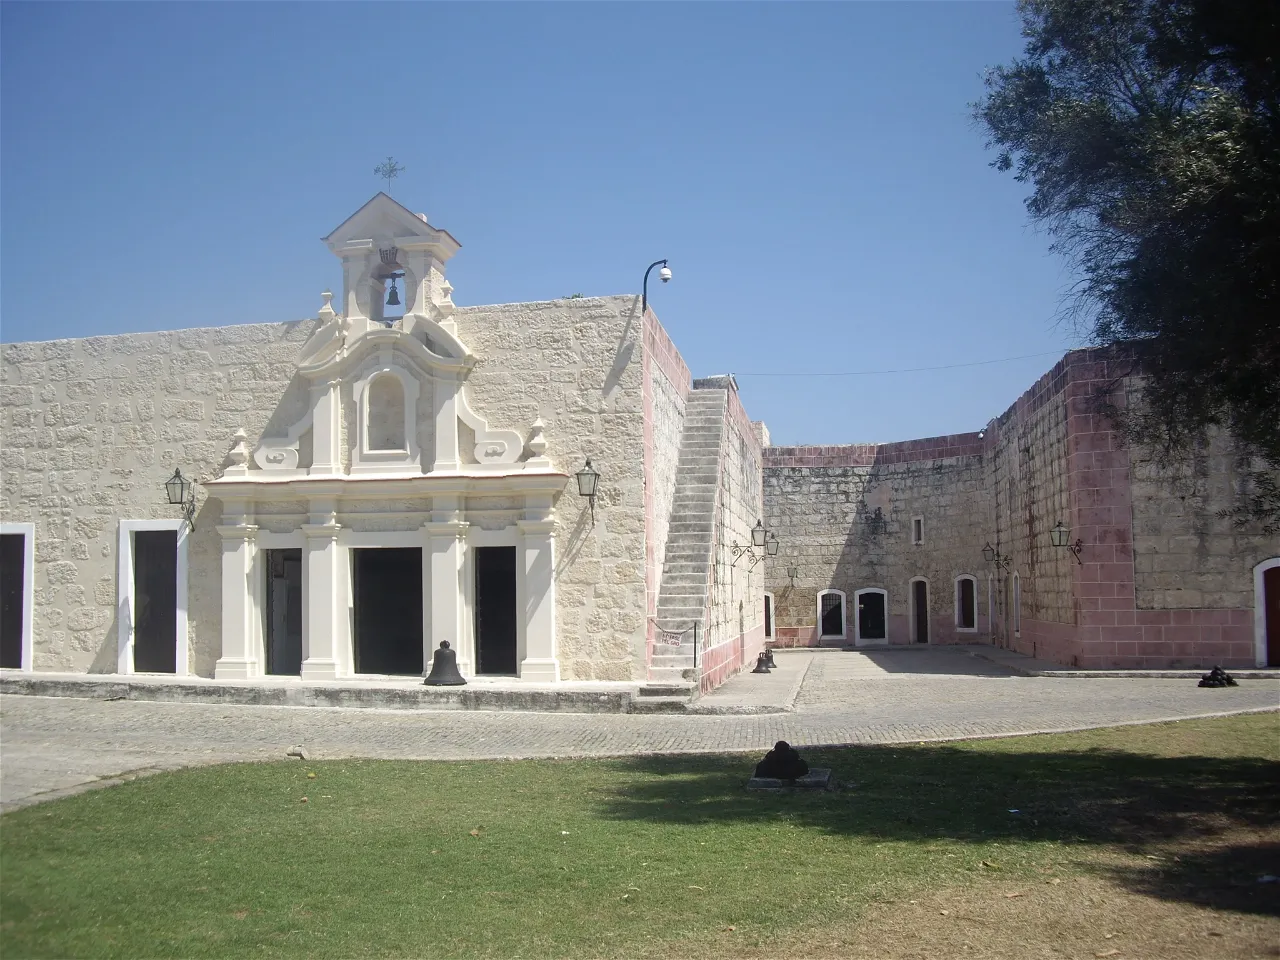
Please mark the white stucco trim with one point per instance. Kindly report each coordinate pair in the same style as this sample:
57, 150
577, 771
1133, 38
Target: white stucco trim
124, 589
1260, 610
844, 615
858, 639
960, 628
911, 608
28, 532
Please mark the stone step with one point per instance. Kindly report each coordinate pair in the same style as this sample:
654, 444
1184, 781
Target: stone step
667, 689
670, 674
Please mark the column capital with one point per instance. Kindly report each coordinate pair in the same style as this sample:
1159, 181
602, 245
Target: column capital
535, 527
319, 531
446, 528
238, 531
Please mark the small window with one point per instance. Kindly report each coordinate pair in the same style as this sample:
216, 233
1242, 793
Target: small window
831, 615
917, 530
768, 616
966, 603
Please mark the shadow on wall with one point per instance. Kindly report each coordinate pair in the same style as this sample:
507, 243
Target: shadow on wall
1084, 797
622, 356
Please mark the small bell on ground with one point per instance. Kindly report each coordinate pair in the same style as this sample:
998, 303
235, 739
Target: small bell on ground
768, 657
762, 665
393, 298
444, 669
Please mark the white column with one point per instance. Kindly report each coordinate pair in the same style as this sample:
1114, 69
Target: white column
446, 538
445, 388
540, 662
320, 623
326, 429
239, 660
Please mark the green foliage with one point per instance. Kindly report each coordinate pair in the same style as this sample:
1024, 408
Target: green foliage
636, 857
1150, 133
576, 296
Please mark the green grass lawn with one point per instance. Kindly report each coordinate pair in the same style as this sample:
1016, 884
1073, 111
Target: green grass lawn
652, 855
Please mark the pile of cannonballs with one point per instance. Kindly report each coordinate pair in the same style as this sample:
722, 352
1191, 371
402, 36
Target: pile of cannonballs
1217, 677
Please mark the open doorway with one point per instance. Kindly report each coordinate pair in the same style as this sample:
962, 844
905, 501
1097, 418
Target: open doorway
155, 601
387, 610
920, 611
872, 621
495, 569
284, 612
15, 608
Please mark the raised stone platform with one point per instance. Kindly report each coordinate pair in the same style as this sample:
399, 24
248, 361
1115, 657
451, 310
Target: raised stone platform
391, 693
819, 778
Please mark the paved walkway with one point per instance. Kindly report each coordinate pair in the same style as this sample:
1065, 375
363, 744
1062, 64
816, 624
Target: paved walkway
53, 746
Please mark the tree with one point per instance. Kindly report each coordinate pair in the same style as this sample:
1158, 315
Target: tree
1150, 133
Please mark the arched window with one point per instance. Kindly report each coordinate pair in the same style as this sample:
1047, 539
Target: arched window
831, 615
768, 616
384, 413
967, 602
872, 608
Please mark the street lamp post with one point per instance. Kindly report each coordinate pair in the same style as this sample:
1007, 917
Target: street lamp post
664, 275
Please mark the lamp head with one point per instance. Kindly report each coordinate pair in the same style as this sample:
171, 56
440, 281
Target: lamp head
771, 546
1059, 535
664, 274
587, 478
176, 488
758, 534
988, 552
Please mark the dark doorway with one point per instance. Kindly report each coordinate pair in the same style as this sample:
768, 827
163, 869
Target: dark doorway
920, 609
496, 609
387, 595
871, 616
13, 593
1271, 604
768, 616
284, 612
967, 604
155, 601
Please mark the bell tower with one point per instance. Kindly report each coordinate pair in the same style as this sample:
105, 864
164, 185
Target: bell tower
386, 247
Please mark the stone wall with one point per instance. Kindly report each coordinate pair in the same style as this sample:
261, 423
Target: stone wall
91, 430
666, 384
844, 516
735, 614
577, 364
1026, 495
93, 427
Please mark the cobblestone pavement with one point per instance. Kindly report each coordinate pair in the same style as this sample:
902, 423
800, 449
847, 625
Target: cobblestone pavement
55, 746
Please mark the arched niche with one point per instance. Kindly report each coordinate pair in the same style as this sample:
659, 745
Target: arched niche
386, 399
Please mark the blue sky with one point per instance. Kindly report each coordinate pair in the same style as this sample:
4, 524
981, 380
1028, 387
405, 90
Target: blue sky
811, 172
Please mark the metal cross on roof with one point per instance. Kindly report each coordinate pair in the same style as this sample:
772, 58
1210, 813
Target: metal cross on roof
388, 170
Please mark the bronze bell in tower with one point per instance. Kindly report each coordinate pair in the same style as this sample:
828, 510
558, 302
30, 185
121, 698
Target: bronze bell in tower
444, 668
393, 298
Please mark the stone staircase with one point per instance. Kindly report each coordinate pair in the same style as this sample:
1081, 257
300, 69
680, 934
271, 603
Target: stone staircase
686, 568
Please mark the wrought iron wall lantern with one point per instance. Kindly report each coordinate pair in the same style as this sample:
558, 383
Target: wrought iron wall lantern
792, 573
992, 555
1060, 536
182, 493
762, 540
588, 479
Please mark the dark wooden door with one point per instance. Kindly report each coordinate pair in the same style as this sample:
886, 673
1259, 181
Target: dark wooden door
155, 601
1271, 604
13, 592
920, 607
387, 609
496, 609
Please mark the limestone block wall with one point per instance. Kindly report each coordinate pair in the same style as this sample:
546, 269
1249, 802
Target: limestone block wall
845, 517
92, 428
577, 364
666, 390
1026, 496
735, 615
